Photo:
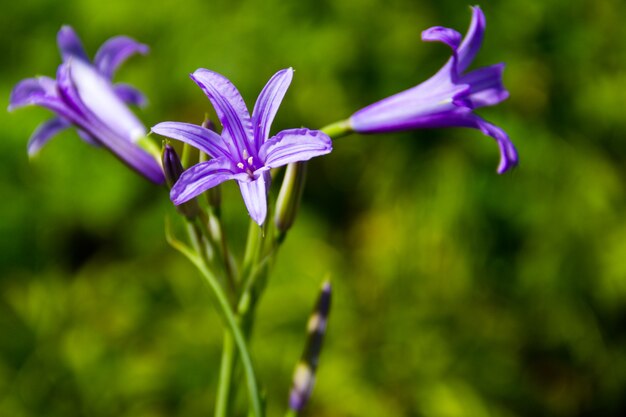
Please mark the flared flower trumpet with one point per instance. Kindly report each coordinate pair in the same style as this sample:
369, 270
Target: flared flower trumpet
84, 97
449, 98
243, 152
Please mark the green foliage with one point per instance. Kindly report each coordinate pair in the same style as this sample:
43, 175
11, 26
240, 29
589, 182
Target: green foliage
457, 292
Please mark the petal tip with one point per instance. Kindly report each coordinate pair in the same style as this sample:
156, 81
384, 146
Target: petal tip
450, 37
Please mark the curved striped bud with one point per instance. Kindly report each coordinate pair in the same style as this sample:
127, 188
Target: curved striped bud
304, 374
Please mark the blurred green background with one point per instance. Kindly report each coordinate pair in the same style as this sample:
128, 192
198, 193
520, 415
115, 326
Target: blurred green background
457, 292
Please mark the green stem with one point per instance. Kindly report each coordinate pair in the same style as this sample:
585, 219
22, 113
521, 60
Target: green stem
252, 249
226, 375
217, 243
239, 339
291, 413
337, 129
216, 223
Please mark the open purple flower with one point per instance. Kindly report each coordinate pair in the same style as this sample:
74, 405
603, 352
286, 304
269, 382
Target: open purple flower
449, 97
83, 96
243, 151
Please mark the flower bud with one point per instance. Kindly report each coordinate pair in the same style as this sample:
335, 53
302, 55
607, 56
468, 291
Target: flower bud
171, 165
304, 374
173, 169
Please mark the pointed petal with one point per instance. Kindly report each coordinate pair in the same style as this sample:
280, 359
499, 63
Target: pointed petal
254, 195
450, 37
31, 91
70, 44
268, 103
473, 39
200, 178
44, 133
115, 51
508, 153
486, 87
199, 137
294, 145
230, 109
130, 95
97, 95
41, 91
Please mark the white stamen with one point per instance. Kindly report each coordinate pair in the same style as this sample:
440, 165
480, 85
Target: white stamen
240, 165
250, 161
245, 154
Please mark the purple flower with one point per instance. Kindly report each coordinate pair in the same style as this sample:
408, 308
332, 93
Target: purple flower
83, 96
449, 97
243, 151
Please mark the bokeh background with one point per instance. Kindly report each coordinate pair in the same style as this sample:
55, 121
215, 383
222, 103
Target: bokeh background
457, 292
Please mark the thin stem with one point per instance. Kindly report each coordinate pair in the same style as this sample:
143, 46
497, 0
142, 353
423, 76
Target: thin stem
252, 248
218, 230
216, 242
226, 375
337, 129
239, 339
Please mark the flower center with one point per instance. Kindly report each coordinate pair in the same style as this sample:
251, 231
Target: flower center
247, 165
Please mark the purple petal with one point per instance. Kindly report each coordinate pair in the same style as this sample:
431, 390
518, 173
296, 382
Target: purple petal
450, 37
199, 137
200, 178
486, 87
70, 44
44, 133
508, 153
130, 95
31, 91
97, 95
268, 103
230, 109
294, 145
115, 51
254, 195
41, 91
472, 41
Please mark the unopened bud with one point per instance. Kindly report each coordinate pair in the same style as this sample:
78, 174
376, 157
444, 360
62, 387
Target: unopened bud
208, 123
304, 374
173, 169
289, 196
171, 165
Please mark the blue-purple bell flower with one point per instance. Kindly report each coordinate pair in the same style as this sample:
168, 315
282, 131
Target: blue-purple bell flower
449, 98
82, 96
